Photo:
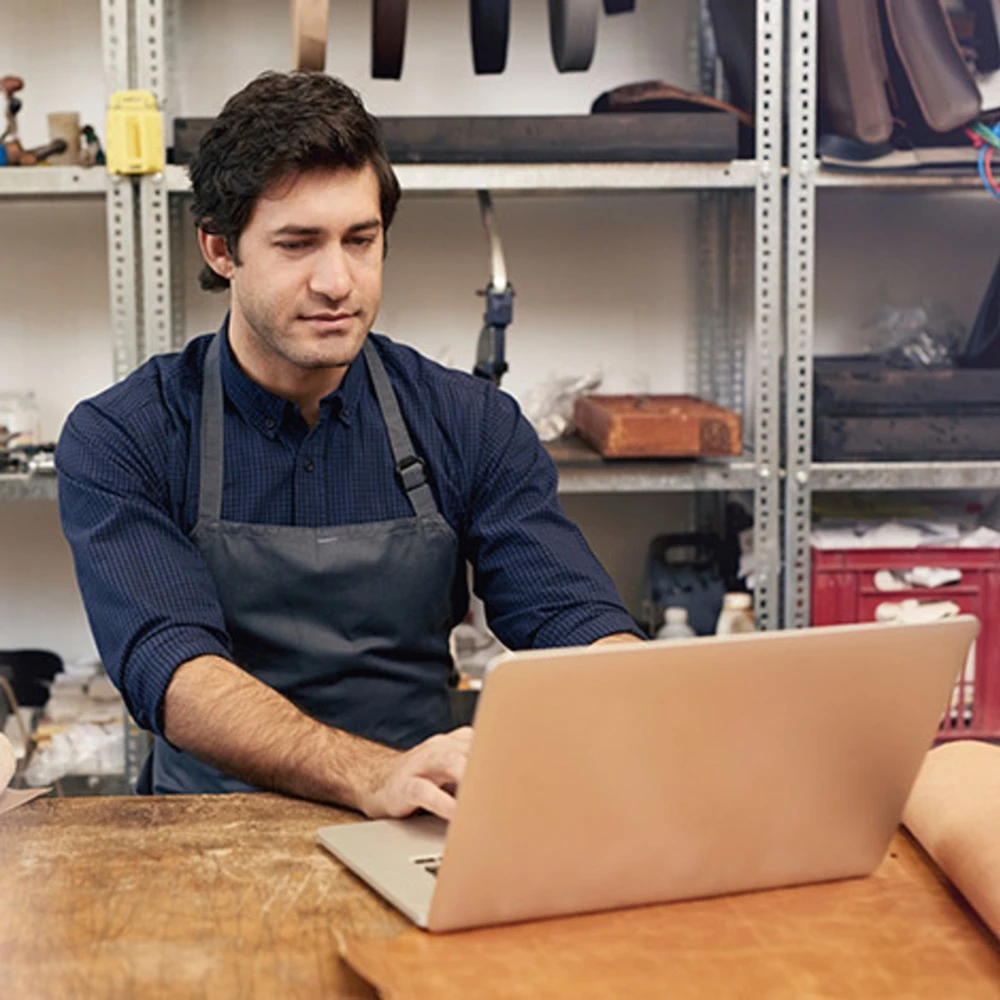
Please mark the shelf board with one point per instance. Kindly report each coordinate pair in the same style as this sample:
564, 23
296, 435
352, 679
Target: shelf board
835, 476
52, 182
903, 180
583, 470
527, 178
16, 487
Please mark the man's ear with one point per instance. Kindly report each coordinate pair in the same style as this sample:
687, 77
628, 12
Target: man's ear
216, 253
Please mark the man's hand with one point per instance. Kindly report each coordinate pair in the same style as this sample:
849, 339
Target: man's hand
223, 715
425, 777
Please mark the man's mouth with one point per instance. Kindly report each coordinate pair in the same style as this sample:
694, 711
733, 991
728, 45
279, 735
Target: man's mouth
329, 317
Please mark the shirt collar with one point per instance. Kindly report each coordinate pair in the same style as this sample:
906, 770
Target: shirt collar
266, 411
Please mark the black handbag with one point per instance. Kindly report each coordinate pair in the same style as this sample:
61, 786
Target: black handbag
684, 571
982, 349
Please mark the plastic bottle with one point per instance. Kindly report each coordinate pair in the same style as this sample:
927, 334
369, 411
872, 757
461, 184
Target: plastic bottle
675, 625
736, 615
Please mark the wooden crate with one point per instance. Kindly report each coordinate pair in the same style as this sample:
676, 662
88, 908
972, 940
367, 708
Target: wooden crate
658, 427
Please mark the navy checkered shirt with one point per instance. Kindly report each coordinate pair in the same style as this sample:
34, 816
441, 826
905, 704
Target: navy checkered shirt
128, 497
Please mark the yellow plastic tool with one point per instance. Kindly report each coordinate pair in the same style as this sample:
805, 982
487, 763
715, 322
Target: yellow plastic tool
135, 133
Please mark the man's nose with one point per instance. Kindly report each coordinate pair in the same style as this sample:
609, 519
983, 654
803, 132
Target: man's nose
331, 276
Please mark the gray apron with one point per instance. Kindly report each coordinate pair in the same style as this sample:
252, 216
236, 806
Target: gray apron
350, 623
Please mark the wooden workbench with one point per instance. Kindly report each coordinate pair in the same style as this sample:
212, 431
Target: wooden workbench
230, 896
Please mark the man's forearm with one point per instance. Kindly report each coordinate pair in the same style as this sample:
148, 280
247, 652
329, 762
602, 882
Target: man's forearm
222, 714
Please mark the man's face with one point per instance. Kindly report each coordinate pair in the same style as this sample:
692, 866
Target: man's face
309, 282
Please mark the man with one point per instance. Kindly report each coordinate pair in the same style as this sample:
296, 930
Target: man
271, 528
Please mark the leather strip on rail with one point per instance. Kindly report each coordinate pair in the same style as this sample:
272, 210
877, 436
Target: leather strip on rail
388, 38
573, 33
490, 23
310, 24
619, 6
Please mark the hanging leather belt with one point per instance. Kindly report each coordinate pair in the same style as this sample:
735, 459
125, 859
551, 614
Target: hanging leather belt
490, 22
573, 32
388, 38
310, 24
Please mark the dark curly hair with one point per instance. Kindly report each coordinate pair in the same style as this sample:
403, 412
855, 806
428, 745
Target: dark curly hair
279, 125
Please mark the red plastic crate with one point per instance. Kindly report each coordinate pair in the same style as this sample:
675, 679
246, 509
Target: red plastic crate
843, 591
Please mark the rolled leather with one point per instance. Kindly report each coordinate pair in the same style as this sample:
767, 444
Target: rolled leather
573, 33
490, 24
954, 812
310, 24
388, 38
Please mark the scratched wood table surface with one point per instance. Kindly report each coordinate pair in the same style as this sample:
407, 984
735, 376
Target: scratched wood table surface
188, 896
230, 896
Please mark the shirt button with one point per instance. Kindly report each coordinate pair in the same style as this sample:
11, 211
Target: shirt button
309, 465
270, 424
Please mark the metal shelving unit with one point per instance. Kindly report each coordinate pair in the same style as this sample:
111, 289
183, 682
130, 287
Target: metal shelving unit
53, 182
923, 180
19, 487
56, 183
548, 178
582, 470
843, 476
717, 340
803, 477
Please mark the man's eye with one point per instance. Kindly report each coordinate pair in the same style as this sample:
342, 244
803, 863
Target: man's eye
361, 241
292, 245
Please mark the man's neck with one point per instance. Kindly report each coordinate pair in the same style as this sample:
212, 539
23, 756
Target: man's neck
302, 386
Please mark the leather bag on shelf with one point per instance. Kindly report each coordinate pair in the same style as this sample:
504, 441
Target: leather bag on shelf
887, 65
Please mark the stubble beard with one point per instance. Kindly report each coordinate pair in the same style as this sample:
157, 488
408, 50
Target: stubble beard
272, 338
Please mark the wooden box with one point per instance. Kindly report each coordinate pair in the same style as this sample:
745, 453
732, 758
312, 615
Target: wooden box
658, 427
866, 411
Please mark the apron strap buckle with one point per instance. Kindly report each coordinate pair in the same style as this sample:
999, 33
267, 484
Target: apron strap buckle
412, 473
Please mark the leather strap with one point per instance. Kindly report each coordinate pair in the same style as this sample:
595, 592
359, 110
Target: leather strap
573, 32
388, 38
310, 24
490, 23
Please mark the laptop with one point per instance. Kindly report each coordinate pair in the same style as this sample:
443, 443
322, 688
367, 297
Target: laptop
621, 775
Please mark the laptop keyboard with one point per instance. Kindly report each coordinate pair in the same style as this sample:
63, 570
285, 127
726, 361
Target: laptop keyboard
430, 863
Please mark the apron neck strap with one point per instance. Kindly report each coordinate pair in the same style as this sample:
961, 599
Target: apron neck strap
210, 461
410, 468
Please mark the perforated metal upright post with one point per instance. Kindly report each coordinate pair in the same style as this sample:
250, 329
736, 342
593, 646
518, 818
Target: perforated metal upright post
767, 313
799, 352
716, 351
179, 220
154, 212
122, 219
120, 201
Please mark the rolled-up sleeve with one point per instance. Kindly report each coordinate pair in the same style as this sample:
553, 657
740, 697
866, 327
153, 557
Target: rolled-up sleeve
541, 583
148, 593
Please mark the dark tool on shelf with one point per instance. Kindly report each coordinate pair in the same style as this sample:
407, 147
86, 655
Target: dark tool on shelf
10, 85
490, 351
92, 154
